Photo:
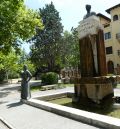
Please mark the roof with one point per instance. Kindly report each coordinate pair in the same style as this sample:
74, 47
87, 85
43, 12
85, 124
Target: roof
116, 6
103, 16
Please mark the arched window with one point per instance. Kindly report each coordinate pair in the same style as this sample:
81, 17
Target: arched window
115, 17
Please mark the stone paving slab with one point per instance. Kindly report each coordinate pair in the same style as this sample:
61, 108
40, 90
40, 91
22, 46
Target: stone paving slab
22, 116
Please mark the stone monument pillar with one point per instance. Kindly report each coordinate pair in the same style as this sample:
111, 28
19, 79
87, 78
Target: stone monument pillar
92, 84
92, 48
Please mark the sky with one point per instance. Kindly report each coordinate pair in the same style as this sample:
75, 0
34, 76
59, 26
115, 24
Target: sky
72, 11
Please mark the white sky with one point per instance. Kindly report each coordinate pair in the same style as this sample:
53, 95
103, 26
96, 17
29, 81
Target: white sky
72, 11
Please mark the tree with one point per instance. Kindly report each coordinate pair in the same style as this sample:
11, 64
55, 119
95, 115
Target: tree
70, 49
45, 50
12, 64
76, 53
8, 64
16, 22
24, 59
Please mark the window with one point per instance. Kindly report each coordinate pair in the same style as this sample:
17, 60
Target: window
107, 35
118, 52
115, 17
109, 50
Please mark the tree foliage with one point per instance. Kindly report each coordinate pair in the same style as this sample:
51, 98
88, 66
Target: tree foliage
70, 49
24, 59
16, 22
52, 48
8, 63
46, 48
12, 64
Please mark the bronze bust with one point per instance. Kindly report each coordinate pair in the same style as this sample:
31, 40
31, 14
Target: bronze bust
88, 8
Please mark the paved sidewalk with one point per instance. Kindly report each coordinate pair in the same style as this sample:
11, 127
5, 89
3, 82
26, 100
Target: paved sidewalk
22, 116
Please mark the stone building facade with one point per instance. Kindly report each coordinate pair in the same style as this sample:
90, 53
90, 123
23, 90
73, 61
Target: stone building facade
112, 38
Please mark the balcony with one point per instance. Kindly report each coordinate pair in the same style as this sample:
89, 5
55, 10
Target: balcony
118, 36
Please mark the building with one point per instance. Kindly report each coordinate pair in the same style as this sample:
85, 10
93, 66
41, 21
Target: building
112, 38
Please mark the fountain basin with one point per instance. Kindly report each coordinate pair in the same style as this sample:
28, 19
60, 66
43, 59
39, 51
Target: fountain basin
72, 113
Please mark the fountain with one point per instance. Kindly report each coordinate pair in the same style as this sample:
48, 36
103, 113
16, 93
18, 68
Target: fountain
93, 84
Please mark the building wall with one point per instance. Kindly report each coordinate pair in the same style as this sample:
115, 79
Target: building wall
108, 43
114, 28
115, 11
103, 21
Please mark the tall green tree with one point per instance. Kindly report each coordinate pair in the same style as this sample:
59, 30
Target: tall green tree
16, 22
76, 53
70, 49
8, 64
46, 48
12, 64
24, 59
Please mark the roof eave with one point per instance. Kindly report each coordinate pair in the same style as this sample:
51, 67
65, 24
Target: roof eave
116, 6
103, 16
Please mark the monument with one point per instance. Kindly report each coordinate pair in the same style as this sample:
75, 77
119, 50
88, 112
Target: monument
93, 84
25, 88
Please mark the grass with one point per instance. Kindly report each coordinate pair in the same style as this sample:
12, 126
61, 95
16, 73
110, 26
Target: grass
68, 85
118, 86
37, 88
115, 113
61, 101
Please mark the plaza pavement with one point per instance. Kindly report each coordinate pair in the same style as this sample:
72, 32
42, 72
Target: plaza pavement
22, 116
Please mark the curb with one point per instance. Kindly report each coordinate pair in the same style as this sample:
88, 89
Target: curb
6, 123
75, 114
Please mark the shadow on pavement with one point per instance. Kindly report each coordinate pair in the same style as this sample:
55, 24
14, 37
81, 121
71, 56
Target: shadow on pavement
15, 104
11, 88
4, 94
2, 102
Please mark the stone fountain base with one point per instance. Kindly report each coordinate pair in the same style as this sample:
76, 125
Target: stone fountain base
92, 88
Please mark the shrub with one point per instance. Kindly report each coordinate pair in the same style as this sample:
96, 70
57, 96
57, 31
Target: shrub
14, 75
49, 78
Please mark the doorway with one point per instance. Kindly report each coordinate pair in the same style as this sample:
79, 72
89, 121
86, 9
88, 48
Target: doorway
110, 66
